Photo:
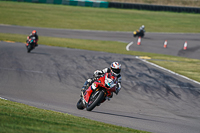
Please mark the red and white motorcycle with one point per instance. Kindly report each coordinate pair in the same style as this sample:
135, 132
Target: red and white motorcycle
98, 92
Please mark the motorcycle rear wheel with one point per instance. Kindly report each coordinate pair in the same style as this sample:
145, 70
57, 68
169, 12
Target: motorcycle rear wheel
95, 101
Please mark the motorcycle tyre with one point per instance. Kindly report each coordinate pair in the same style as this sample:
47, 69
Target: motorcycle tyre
96, 101
29, 48
79, 104
28, 51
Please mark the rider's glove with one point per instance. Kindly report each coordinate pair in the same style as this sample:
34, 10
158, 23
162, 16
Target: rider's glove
97, 73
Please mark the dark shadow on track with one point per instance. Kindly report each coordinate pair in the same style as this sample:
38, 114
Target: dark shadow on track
38, 53
125, 116
188, 51
155, 84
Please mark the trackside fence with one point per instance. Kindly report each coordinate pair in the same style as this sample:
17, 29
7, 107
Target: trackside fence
154, 7
104, 4
88, 3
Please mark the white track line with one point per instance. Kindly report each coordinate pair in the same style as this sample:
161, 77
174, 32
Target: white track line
127, 47
3, 98
168, 70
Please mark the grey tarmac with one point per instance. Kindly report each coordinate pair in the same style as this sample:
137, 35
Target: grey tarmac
151, 99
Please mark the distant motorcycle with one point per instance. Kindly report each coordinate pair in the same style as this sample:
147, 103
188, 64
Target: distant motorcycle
105, 86
138, 33
31, 43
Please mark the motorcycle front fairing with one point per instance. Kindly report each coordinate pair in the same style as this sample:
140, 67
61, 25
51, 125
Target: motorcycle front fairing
100, 84
87, 94
89, 91
31, 41
139, 33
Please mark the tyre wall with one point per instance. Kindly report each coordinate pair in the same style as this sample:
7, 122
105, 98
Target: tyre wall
154, 7
104, 4
88, 3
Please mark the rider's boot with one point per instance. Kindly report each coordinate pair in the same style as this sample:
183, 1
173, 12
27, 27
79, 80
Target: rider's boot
109, 97
86, 85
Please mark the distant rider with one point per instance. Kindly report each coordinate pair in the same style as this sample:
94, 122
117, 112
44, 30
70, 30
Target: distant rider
33, 34
142, 28
114, 69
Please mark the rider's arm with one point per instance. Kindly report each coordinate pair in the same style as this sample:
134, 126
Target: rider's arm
105, 70
100, 72
28, 37
118, 88
36, 36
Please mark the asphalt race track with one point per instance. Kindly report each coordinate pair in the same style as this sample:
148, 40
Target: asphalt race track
151, 99
152, 42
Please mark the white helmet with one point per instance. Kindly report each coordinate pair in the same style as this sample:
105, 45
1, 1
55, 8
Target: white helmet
143, 27
115, 68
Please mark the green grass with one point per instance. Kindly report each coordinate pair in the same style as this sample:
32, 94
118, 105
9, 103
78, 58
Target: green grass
75, 17
187, 67
19, 118
16, 117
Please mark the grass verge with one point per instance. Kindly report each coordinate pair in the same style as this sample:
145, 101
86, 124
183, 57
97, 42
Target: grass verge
75, 17
21, 118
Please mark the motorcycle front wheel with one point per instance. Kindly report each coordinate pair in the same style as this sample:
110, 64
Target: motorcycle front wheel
79, 105
29, 48
95, 99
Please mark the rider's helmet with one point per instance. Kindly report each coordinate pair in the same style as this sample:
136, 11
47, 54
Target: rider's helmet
115, 68
143, 26
34, 32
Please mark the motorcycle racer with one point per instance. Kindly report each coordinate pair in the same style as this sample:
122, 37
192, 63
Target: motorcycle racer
33, 34
114, 69
140, 32
142, 28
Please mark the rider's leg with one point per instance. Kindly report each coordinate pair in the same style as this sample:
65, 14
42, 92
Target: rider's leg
86, 85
